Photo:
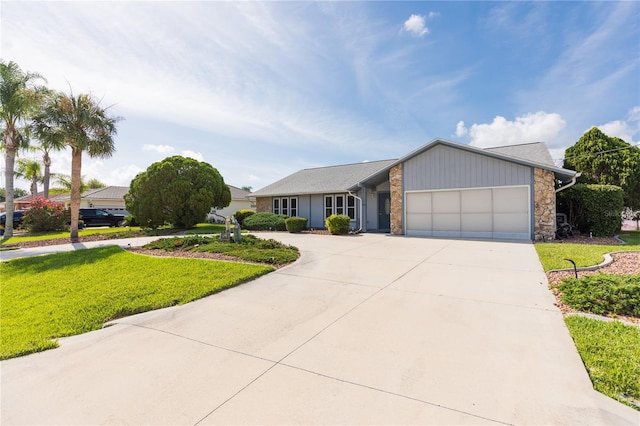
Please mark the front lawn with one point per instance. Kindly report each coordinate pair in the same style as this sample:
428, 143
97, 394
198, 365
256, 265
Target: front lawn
64, 294
552, 255
611, 353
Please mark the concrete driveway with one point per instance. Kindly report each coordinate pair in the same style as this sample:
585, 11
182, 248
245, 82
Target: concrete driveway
367, 329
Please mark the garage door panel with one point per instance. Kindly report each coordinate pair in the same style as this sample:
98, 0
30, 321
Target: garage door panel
477, 222
511, 222
446, 222
420, 221
446, 202
511, 200
419, 202
476, 201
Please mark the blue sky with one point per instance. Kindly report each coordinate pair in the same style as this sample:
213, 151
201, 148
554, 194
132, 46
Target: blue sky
260, 90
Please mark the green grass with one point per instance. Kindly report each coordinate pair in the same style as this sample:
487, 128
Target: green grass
611, 353
64, 294
123, 232
552, 255
207, 228
631, 237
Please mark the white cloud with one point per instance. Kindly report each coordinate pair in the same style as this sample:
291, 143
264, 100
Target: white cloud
532, 127
627, 130
253, 178
461, 130
162, 149
191, 154
416, 26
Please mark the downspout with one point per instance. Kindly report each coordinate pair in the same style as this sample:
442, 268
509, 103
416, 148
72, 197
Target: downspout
361, 212
570, 184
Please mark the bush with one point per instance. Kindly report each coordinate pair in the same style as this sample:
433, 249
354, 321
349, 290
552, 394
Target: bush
241, 215
265, 222
338, 224
296, 224
131, 221
595, 208
603, 294
45, 215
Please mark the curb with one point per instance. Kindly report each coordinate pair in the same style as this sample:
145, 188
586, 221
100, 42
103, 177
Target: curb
601, 318
607, 260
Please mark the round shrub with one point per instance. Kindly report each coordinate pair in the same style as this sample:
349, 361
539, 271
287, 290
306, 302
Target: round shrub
265, 222
242, 214
45, 215
338, 224
296, 224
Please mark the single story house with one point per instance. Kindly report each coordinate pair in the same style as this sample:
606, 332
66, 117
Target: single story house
442, 189
240, 200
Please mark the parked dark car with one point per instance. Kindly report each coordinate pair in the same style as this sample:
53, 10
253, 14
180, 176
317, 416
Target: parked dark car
17, 218
100, 217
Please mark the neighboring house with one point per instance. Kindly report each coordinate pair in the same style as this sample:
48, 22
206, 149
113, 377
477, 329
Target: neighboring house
442, 189
108, 198
240, 199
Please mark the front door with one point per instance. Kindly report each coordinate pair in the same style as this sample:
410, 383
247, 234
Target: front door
384, 211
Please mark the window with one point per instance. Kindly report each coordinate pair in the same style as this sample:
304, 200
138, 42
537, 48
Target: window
335, 204
328, 206
286, 205
339, 204
351, 207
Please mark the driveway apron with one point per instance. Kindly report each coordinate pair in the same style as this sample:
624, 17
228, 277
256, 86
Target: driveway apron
367, 329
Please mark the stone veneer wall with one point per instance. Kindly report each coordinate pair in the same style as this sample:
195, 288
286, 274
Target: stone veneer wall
545, 204
395, 179
263, 204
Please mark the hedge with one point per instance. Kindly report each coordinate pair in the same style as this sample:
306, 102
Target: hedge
595, 208
242, 214
265, 222
296, 224
603, 294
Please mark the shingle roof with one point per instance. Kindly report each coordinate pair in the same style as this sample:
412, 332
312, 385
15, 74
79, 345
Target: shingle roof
323, 180
536, 151
237, 193
107, 193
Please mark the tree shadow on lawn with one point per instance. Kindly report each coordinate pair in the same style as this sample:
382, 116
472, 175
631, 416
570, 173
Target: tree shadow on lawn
62, 260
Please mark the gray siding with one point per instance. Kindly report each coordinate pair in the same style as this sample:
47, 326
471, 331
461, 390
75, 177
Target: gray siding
443, 167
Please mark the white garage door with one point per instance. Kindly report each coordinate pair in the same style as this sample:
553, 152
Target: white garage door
498, 212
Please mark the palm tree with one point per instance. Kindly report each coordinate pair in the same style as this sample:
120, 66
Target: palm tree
19, 99
81, 124
30, 170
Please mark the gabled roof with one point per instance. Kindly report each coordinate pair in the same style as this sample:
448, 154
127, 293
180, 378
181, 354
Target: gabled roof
107, 193
536, 151
323, 180
531, 154
238, 194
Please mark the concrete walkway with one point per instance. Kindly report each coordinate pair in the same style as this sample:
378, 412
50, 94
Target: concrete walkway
367, 329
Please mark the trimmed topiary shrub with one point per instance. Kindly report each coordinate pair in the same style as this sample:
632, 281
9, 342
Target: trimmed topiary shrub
45, 215
603, 294
296, 224
338, 224
265, 222
595, 208
242, 214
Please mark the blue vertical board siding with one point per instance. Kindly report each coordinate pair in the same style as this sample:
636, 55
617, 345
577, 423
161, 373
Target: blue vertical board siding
444, 167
